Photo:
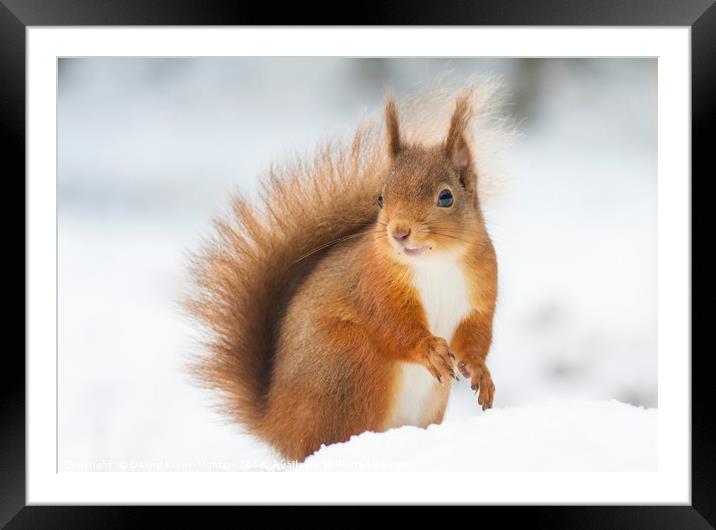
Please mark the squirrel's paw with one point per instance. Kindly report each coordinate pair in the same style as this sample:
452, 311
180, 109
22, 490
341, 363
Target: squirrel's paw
434, 353
475, 368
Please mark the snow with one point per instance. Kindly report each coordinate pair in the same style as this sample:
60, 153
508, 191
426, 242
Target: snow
148, 151
552, 436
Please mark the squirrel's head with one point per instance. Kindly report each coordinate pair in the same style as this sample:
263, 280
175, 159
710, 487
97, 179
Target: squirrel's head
429, 204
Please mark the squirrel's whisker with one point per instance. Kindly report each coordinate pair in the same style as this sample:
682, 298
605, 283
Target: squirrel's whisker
329, 244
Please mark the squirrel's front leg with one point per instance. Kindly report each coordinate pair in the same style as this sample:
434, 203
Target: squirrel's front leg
471, 344
410, 340
434, 353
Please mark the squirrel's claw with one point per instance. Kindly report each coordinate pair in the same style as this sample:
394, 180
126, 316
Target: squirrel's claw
464, 370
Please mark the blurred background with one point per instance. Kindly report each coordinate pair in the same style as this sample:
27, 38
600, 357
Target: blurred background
148, 150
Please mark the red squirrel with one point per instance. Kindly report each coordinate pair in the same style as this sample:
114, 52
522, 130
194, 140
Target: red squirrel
345, 301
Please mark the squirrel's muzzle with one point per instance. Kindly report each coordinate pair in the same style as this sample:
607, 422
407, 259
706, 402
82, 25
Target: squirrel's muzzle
400, 233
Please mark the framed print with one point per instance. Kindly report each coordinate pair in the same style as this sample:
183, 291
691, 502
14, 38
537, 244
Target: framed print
274, 262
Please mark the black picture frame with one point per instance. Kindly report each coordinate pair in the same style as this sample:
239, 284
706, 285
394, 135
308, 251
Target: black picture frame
16, 15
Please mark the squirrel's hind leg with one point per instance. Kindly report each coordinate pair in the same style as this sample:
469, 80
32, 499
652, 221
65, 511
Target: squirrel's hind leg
336, 384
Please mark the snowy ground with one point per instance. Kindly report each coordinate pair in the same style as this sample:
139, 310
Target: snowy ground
551, 436
148, 153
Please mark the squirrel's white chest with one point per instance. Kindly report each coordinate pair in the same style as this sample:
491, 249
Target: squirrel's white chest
444, 295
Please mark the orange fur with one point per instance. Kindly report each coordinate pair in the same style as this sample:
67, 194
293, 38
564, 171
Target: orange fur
311, 305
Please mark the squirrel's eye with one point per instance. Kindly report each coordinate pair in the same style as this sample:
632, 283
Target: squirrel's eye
445, 199
380, 201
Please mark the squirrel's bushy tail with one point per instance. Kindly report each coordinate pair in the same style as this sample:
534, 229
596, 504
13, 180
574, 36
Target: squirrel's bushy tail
247, 272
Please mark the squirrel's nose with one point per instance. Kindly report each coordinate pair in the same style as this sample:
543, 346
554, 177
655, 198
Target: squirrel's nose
400, 234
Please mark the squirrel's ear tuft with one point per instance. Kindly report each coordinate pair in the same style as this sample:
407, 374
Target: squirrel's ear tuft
456, 145
392, 127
